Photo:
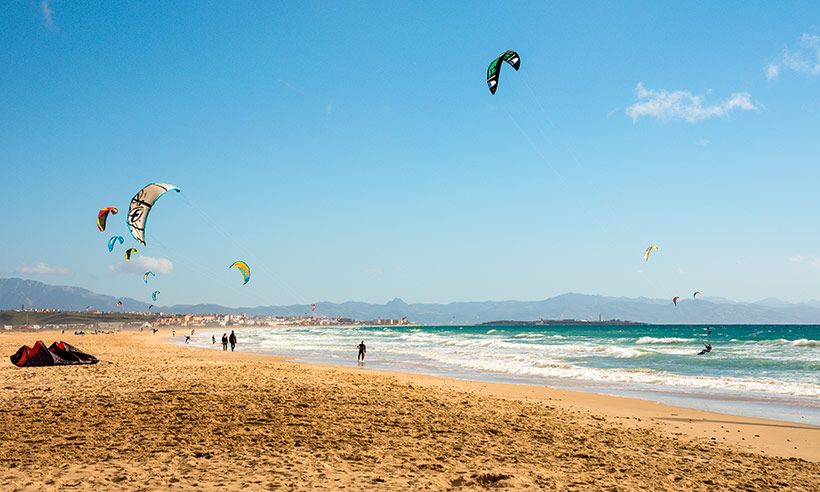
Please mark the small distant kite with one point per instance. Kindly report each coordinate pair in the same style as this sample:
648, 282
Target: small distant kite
154, 295
119, 303
129, 252
649, 251
102, 217
145, 276
141, 206
675, 300
113, 241
494, 70
313, 307
244, 268
150, 306
696, 294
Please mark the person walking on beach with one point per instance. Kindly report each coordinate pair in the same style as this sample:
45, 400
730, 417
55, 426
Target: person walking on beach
362, 351
213, 339
225, 341
187, 339
232, 339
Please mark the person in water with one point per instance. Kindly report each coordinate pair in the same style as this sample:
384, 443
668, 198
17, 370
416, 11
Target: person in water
232, 339
187, 339
706, 350
362, 351
225, 341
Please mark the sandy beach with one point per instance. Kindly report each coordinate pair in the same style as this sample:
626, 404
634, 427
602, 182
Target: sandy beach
156, 416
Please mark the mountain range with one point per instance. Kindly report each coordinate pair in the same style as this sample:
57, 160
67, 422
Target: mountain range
15, 292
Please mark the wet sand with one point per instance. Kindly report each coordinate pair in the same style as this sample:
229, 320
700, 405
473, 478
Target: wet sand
155, 416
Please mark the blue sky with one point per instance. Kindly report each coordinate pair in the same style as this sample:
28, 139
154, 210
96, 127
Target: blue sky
353, 151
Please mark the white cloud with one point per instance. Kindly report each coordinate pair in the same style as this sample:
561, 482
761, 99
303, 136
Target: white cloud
812, 261
683, 105
142, 264
48, 15
291, 87
805, 58
43, 269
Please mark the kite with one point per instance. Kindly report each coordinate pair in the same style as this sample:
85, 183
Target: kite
150, 306
129, 252
494, 70
145, 276
675, 300
113, 241
102, 216
695, 295
649, 251
141, 206
244, 268
119, 303
154, 295
313, 307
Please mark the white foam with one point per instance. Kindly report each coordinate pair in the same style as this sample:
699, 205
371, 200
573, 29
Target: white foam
658, 341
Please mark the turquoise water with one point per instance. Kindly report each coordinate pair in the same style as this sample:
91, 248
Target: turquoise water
768, 371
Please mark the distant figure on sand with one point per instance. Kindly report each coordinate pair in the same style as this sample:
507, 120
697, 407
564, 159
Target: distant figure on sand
155, 330
232, 339
213, 339
705, 350
224, 341
362, 351
173, 333
187, 339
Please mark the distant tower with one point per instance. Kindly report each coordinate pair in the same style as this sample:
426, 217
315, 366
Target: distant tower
600, 318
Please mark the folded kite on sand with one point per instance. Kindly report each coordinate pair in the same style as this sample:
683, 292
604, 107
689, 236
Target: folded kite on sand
58, 354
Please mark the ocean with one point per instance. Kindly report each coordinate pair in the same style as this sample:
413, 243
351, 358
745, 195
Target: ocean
752, 370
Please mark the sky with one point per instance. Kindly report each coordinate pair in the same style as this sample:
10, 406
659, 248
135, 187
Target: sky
352, 150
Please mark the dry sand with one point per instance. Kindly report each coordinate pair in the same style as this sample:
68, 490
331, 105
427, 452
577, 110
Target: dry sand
153, 416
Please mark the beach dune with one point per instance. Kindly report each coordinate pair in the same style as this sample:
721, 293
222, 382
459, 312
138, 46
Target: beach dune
154, 416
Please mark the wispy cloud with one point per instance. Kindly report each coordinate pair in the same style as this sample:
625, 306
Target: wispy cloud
43, 269
804, 58
142, 264
48, 15
291, 87
812, 261
683, 105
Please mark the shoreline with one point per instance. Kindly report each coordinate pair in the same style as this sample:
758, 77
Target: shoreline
772, 437
156, 415
676, 392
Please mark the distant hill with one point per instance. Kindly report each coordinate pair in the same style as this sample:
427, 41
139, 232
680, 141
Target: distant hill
14, 292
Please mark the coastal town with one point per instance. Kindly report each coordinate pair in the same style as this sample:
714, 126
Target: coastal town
36, 319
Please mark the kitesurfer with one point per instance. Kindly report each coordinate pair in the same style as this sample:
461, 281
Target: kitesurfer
232, 339
225, 341
362, 351
706, 350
